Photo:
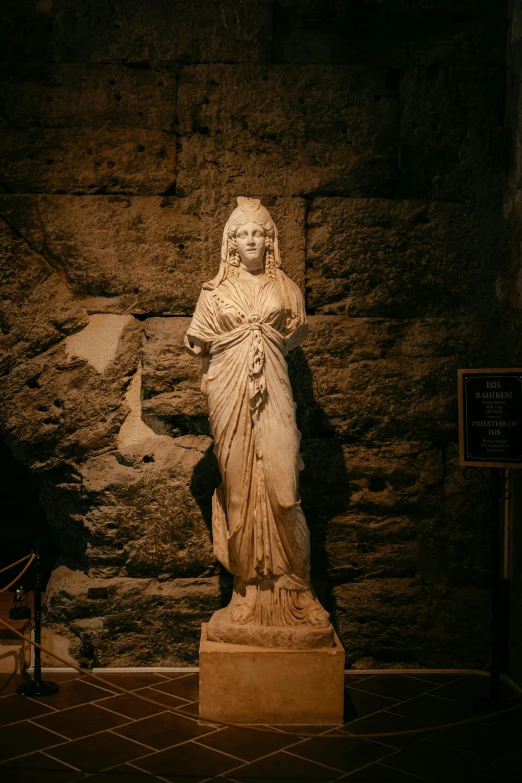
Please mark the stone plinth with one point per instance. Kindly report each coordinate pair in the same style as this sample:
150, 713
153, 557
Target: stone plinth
221, 628
244, 684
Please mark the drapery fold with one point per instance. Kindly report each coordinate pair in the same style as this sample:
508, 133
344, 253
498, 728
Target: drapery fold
244, 328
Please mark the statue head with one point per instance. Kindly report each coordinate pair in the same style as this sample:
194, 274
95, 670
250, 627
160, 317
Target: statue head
248, 210
250, 244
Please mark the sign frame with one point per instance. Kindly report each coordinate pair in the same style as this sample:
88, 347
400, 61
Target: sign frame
475, 462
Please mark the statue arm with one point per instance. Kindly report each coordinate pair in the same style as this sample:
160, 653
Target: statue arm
296, 327
297, 337
202, 328
195, 346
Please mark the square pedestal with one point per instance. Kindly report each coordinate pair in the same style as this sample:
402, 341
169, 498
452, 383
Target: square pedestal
243, 684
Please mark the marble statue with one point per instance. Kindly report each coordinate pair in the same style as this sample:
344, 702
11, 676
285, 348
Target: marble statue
246, 320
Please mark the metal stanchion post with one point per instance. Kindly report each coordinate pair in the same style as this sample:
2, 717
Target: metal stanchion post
497, 609
37, 686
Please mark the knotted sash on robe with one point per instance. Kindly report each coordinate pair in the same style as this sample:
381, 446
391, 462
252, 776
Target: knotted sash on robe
246, 328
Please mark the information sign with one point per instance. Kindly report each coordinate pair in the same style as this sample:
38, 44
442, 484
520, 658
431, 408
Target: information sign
490, 417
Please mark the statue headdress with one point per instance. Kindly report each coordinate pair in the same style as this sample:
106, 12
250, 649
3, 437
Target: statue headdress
248, 210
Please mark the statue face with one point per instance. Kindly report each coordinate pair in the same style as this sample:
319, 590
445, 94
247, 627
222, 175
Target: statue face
250, 242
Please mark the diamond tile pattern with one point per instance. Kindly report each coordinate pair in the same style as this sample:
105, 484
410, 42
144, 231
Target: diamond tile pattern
93, 732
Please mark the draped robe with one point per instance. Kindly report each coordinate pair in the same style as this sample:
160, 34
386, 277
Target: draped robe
246, 327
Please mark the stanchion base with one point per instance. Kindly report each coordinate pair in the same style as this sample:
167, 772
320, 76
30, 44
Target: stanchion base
37, 688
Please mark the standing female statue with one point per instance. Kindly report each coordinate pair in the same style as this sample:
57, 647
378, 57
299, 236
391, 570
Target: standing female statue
246, 320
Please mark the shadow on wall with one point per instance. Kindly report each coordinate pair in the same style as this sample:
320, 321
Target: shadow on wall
323, 484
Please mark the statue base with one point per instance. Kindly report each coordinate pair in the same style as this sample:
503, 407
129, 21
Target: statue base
246, 684
294, 637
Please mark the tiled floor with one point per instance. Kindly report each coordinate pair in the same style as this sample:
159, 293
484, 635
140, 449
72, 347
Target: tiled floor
89, 732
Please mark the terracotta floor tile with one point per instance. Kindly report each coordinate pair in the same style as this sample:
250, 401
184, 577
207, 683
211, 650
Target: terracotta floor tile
247, 745
426, 760
163, 730
79, 721
393, 686
474, 751
223, 779
94, 753
165, 699
507, 770
191, 707
387, 722
349, 679
25, 737
282, 767
37, 768
59, 677
123, 774
188, 763
345, 754
132, 680
187, 687
380, 773
511, 720
73, 692
292, 731
358, 703
130, 707
177, 675
14, 708
9, 683
432, 710
470, 690
438, 679
478, 738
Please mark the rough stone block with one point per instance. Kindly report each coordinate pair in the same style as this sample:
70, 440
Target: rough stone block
366, 506
142, 622
466, 37
387, 621
452, 146
364, 546
401, 258
36, 308
87, 161
397, 34
59, 408
136, 32
167, 31
457, 546
172, 401
370, 380
286, 130
24, 33
49, 95
145, 514
146, 254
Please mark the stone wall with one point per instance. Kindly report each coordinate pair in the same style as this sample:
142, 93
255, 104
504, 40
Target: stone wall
373, 130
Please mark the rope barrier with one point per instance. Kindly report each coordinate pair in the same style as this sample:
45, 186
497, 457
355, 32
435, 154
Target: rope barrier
12, 565
22, 572
179, 710
258, 729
